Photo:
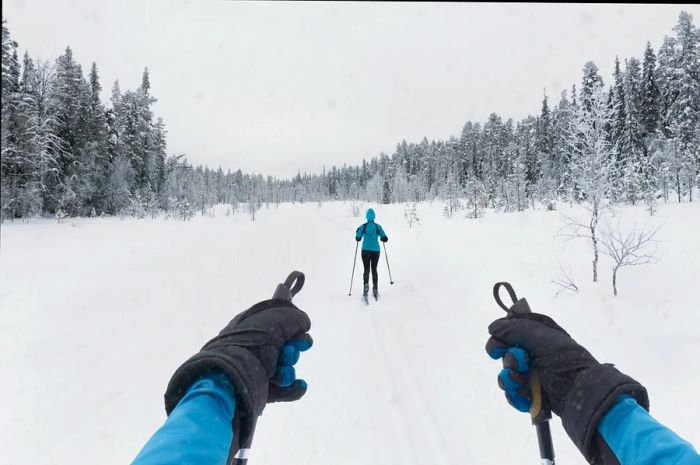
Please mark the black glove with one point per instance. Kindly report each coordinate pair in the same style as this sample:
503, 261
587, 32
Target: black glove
385, 239
248, 350
358, 239
574, 384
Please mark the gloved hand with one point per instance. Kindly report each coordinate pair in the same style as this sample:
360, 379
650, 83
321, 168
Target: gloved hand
574, 384
358, 239
385, 239
257, 350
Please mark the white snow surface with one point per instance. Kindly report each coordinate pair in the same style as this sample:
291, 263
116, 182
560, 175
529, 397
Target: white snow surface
96, 314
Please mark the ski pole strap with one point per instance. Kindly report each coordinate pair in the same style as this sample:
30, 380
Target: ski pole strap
511, 293
295, 281
291, 286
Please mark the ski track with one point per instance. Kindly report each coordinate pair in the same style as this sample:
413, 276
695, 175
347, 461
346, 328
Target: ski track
417, 419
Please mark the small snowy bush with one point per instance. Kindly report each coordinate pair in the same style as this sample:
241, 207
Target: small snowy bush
185, 210
356, 209
549, 203
61, 215
411, 216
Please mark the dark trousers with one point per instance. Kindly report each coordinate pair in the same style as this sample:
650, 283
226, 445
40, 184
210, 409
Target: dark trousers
370, 258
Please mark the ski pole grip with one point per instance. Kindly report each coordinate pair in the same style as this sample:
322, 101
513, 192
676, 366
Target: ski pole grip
539, 412
291, 286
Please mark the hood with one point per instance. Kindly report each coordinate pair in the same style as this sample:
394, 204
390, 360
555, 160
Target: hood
370, 215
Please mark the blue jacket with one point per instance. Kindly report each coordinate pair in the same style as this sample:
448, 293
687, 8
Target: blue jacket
371, 232
198, 431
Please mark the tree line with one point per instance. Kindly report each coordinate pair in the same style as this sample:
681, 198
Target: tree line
65, 151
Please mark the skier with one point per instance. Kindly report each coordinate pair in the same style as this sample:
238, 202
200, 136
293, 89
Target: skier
371, 232
603, 410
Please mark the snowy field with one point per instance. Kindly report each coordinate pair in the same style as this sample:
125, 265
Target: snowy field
96, 314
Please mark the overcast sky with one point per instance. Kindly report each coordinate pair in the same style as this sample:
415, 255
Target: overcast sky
277, 87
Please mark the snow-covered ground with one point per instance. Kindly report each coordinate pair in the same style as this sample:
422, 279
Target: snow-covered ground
97, 313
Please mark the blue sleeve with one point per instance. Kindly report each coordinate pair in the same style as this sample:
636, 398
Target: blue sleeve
198, 431
381, 232
637, 439
357, 233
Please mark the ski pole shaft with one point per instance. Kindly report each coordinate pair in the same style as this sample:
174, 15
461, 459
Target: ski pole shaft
544, 440
354, 261
540, 415
391, 280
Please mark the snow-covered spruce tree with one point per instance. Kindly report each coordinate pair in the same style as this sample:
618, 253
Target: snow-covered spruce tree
592, 159
96, 159
650, 95
451, 192
592, 82
400, 189
152, 204
252, 206
138, 205
617, 102
375, 189
411, 215
678, 82
42, 148
253, 203
477, 198
528, 164
635, 160
544, 141
684, 111
561, 176
119, 181
184, 209
233, 200
19, 193
649, 114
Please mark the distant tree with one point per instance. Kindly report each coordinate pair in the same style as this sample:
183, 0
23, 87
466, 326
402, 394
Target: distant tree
476, 198
591, 164
628, 248
452, 192
591, 83
184, 209
411, 215
650, 95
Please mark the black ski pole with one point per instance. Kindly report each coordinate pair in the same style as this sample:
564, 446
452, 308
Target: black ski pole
287, 290
352, 276
540, 413
387, 263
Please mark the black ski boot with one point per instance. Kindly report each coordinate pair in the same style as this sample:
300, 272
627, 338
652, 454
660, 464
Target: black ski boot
375, 293
365, 291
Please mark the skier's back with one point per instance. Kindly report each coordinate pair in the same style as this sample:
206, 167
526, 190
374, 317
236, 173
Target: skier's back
370, 233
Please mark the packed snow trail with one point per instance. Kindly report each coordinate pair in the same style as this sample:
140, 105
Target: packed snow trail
97, 316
